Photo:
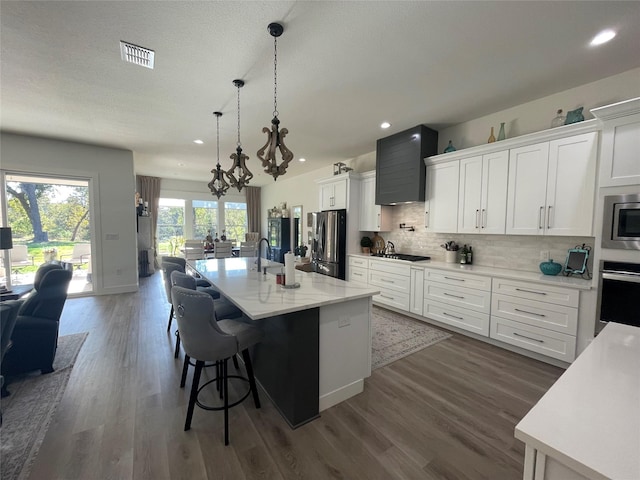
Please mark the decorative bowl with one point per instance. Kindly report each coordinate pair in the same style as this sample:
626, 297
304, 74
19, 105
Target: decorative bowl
550, 268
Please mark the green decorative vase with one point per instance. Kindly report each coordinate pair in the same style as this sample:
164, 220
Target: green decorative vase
550, 268
501, 134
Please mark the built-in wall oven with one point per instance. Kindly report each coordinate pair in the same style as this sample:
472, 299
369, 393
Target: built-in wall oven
619, 294
621, 222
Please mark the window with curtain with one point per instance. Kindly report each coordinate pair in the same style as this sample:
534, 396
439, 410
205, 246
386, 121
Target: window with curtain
235, 220
170, 230
205, 218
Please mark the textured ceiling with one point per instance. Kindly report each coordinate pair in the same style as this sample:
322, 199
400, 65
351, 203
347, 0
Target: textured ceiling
343, 68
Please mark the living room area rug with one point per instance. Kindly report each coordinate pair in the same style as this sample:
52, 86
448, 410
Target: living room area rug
395, 336
28, 411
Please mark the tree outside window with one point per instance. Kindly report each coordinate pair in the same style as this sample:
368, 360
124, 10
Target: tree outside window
170, 231
205, 219
235, 220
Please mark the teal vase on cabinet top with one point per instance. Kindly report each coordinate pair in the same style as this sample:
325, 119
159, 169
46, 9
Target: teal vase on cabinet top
450, 148
501, 135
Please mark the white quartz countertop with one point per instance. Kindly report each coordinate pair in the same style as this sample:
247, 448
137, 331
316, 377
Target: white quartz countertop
537, 277
258, 295
590, 418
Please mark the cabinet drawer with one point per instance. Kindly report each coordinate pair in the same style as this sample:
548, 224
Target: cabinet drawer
394, 299
458, 317
539, 314
544, 293
458, 279
390, 267
357, 274
477, 300
390, 281
359, 262
540, 340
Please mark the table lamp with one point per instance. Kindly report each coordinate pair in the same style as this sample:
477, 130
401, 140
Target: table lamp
6, 243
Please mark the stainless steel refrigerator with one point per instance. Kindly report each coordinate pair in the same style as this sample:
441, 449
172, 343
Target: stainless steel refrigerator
328, 253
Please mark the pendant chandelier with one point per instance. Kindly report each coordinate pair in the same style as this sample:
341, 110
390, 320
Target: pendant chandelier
275, 140
239, 159
218, 185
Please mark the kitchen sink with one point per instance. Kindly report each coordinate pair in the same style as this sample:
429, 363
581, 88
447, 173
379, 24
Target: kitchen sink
404, 256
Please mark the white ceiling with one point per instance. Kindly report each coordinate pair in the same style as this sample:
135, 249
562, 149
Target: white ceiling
343, 68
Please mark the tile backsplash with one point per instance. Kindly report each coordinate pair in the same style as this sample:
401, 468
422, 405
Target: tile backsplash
519, 252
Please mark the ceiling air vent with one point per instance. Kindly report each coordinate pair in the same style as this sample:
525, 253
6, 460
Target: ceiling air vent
137, 55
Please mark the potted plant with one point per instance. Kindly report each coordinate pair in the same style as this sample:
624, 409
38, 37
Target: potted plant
366, 244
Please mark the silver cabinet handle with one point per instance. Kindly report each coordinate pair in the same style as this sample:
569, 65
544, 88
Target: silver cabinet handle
426, 219
477, 218
483, 219
540, 212
453, 316
452, 295
357, 274
528, 338
456, 279
378, 220
530, 313
549, 217
530, 291
387, 297
386, 281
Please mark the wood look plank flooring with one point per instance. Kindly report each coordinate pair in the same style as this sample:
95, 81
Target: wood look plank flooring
445, 412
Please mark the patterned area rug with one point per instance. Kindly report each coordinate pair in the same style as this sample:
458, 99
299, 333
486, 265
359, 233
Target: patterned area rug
27, 412
395, 336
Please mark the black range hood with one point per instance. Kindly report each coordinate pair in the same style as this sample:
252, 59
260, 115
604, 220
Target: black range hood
400, 168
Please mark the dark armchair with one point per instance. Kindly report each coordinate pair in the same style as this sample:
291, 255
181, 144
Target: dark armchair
35, 335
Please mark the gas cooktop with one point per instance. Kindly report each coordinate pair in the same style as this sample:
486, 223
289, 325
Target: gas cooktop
404, 256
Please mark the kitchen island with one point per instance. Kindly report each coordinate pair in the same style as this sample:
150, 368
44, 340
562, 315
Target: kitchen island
316, 350
587, 426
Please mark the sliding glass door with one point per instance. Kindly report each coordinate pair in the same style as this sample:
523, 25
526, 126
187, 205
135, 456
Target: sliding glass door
50, 221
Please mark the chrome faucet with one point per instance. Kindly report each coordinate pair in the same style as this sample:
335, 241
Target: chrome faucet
268, 253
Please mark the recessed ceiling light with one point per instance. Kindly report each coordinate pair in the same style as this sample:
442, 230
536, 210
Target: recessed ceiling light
302, 159
199, 142
602, 37
385, 125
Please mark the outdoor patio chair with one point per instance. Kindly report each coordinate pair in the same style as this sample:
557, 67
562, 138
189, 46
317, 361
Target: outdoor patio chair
20, 257
81, 254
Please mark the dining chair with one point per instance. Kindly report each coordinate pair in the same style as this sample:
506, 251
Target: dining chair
193, 249
222, 250
207, 340
248, 249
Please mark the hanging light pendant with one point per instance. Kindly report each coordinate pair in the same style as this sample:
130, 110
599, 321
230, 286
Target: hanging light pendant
239, 159
218, 185
275, 140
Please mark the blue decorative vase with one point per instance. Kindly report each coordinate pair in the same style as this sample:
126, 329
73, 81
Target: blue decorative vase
550, 268
450, 148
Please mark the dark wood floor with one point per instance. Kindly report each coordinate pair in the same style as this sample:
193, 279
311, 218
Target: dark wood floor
446, 412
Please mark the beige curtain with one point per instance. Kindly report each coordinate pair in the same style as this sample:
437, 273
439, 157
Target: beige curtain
253, 208
149, 189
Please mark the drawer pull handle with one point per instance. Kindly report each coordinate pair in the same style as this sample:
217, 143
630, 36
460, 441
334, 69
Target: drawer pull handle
456, 279
530, 313
528, 338
357, 274
452, 295
453, 316
387, 281
387, 297
530, 291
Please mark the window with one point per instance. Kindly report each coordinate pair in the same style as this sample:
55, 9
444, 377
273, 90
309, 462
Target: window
205, 218
170, 230
235, 220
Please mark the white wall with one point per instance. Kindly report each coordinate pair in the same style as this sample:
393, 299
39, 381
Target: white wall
112, 187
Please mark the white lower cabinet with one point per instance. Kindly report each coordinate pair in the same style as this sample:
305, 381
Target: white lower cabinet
394, 281
539, 318
358, 274
417, 290
448, 301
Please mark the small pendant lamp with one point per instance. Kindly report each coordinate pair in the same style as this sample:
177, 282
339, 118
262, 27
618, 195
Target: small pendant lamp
239, 158
218, 185
275, 136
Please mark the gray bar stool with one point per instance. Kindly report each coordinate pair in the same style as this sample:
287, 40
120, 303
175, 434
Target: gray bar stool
207, 340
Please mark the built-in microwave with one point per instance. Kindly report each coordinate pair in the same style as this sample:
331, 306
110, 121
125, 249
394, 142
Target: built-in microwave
621, 222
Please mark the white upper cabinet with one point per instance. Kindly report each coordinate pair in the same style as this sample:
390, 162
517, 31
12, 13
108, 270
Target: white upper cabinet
552, 187
527, 189
482, 198
619, 158
373, 218
333, 195
441, 197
